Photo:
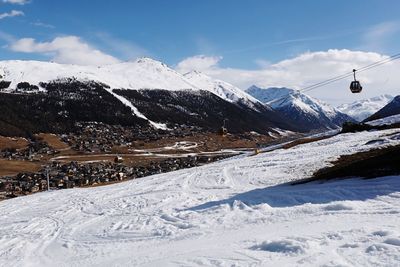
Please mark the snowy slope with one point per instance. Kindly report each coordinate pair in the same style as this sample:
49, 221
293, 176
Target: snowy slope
144, 73
232, 213
385, 121
360, 110
223, 89
310, 112
392, 108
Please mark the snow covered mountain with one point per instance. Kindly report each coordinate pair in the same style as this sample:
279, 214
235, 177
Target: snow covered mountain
223, 89
141, 74
308, 112
360, 110
151, 90
144, 73
391, 109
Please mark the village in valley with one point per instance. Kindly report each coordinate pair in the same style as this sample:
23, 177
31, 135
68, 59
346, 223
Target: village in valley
98, 154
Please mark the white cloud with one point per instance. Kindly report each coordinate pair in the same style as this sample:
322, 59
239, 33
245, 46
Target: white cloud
17, 2
199, 62
42, 24
68, 49
13, 13
307, 69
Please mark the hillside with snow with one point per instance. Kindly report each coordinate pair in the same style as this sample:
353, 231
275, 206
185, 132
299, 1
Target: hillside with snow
151, 90
223, 89
141, 74
238, 212
391, 109
362, 109
308, 112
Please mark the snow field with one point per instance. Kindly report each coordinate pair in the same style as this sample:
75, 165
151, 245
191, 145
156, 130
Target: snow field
237, 212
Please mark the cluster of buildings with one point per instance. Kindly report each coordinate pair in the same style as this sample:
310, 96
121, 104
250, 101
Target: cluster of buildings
70, 175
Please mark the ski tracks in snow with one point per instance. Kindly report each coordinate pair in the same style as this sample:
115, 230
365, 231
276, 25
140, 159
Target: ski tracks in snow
236, 212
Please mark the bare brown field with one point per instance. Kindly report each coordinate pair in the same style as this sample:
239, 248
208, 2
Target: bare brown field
139, 153
53, 141
13, 167
209, 142
12, 143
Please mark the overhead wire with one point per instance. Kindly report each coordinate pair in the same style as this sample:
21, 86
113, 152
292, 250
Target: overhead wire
338, 78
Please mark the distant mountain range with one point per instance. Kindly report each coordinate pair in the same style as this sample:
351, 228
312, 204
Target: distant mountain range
308, 113
360, 110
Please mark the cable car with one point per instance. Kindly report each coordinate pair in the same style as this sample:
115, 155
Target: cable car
355, 86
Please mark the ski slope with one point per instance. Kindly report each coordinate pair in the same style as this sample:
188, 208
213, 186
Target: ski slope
237, 212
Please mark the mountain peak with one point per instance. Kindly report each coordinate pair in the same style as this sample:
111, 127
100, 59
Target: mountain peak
194, 73
148, 60
307, 111
362, 109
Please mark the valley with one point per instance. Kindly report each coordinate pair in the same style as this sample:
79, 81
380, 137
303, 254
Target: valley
100, 154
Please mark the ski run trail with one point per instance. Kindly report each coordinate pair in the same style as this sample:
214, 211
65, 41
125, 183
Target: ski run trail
236, 212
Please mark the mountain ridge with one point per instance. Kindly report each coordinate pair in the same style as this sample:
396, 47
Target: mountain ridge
308, 112
362, 109
145, 86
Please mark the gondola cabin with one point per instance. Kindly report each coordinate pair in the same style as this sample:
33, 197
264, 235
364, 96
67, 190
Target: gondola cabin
355, 86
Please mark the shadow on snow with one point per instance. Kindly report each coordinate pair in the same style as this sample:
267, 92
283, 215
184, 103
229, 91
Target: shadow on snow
286, 195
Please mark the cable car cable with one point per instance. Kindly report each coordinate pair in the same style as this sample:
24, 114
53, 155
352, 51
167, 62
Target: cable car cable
340, 77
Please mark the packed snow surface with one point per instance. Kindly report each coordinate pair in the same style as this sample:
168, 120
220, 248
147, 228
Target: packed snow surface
236, 212
360, 110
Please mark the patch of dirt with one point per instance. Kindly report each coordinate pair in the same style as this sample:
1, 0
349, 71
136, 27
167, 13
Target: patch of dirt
13, 167
53, 141
209, 141
13, 143
369, 164
304, 141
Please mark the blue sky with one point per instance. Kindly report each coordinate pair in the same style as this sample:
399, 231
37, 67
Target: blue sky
243, 32
268, 43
